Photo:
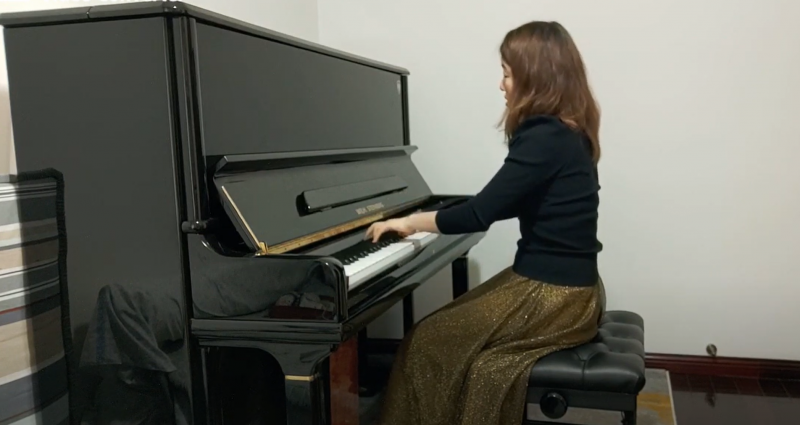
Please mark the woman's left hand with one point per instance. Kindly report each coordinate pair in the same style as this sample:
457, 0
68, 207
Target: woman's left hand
398, 225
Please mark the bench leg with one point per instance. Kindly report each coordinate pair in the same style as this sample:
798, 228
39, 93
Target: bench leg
629, 418
460, 268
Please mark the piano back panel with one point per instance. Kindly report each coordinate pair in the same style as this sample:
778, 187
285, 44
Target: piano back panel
260, 95
270, 206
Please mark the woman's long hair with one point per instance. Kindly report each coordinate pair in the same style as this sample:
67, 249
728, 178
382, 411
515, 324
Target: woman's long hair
549, 78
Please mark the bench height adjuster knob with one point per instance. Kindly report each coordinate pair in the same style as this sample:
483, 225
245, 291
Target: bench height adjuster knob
553, 405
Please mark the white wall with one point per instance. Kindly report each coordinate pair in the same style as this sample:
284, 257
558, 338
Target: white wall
297, 18
699, 199
700, 206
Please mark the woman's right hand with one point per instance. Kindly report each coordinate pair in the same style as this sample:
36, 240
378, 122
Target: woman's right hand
399, 225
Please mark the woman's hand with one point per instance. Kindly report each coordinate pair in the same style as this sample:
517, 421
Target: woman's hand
399, 225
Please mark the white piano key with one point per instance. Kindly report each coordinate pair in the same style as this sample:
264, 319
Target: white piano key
424, 238
376, 262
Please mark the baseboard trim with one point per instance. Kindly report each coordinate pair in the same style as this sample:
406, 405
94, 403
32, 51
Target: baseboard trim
725, 366
675, 363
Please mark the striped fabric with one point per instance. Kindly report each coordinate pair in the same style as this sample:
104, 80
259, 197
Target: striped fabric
34, 326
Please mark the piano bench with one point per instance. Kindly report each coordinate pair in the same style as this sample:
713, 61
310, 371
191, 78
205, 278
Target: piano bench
605, 374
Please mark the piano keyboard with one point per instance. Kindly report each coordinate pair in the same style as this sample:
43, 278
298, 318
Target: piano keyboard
373, 258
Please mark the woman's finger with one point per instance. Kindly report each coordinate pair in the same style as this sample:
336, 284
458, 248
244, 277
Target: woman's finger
372, 230
376, 235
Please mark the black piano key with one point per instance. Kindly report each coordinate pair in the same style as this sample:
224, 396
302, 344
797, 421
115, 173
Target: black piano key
363, 249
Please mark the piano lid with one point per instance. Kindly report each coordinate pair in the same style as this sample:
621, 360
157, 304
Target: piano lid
172, 8
282, 202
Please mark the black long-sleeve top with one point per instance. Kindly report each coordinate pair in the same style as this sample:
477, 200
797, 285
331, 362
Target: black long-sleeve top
549, 181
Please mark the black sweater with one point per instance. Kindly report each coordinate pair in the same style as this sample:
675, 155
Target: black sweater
549, 182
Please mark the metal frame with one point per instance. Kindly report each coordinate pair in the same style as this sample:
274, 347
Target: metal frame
626, 404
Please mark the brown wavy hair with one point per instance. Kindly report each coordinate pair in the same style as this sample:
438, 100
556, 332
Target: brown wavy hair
549, 78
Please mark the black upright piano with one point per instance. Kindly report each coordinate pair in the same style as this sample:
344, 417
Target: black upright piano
219, 181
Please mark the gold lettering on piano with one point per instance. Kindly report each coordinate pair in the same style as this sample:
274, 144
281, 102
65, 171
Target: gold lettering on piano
316, 237
369, 208
279, 248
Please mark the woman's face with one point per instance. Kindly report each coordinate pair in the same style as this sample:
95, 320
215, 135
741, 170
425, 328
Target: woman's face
507, 83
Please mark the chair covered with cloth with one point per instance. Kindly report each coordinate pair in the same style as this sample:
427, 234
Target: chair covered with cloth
35, 338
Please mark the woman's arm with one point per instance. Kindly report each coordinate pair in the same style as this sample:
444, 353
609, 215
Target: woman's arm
533, 159
423, 222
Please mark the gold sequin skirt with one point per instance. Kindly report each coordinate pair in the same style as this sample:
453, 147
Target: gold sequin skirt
468, 363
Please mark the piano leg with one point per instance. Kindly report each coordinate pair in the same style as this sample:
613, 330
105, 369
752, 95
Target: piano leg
303, 400
303, 384
460, 267
408, 312
344, 386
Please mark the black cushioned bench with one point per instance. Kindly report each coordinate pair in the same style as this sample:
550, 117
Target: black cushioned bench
604, 374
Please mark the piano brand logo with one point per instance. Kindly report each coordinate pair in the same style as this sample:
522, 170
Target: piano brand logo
369, 208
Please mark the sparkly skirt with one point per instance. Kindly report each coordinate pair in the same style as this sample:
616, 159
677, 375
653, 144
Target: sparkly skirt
468, 363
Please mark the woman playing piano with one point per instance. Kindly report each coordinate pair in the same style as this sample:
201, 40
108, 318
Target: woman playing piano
468, 363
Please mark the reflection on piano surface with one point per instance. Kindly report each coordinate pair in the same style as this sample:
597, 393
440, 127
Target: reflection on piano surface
217, 202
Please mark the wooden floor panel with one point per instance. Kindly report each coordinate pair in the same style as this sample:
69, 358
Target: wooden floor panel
705, 400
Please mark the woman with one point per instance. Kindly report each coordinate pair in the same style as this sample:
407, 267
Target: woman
468, 363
